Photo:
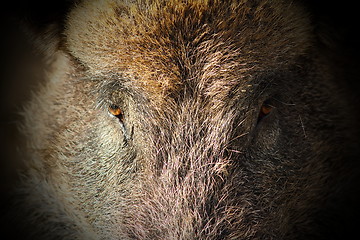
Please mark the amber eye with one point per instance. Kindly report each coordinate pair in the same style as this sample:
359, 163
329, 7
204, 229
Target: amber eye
116, 111
265, 110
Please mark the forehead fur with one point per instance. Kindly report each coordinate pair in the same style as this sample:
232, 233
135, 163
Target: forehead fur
159, 43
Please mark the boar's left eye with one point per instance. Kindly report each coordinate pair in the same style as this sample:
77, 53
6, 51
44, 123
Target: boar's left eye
265, 110
116, 111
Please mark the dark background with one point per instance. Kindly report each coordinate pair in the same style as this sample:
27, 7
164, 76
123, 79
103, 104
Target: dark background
17, 79
337, 20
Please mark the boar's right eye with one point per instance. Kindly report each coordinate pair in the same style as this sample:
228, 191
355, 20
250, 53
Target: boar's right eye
116, 112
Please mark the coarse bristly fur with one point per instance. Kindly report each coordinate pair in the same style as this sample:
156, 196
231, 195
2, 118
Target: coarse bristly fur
189, 157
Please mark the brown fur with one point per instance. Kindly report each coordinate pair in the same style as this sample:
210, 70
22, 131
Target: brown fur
161, 43
189, 159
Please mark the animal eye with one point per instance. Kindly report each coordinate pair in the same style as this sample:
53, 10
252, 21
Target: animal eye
116, 111
265, 110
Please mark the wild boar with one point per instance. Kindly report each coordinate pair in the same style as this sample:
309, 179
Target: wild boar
186, 119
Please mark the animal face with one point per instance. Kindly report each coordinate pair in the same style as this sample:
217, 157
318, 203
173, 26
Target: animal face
187, 120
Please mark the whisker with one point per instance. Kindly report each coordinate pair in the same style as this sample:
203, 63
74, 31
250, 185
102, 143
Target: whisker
239, 136
234, 151
302, 125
